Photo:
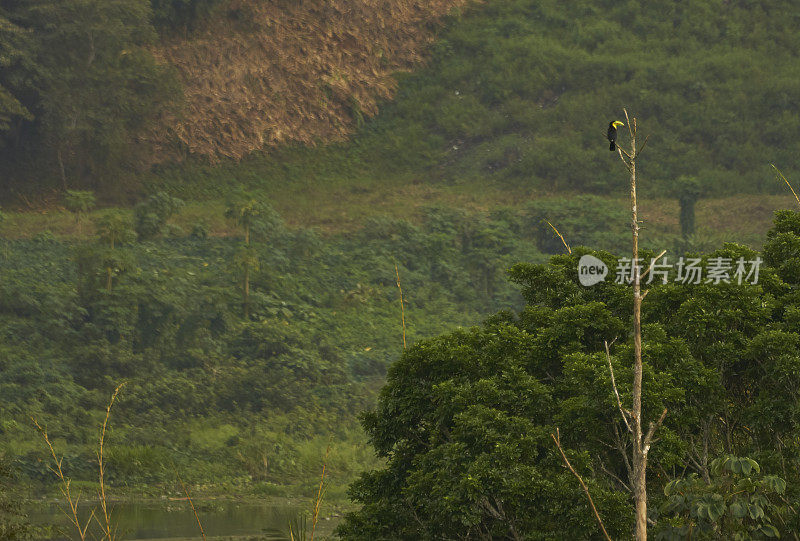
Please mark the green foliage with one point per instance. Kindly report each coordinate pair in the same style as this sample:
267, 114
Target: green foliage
15, 67
516, 92
175, 14
464, 420
14, 525
151, 215
44, 237
578, 219
114, 228
520, 92
79, 202
738, 503
465, 428
90, 83
199, 231
251, 212
246, 258
688, 192
250, 402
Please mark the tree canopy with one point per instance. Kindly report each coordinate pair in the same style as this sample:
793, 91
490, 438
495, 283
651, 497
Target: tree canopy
465, 418
81, 85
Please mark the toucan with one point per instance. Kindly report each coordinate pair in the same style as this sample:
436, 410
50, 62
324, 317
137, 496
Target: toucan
612, 134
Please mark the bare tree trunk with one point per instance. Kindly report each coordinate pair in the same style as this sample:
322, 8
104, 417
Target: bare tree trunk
637, 469
640, 492
639, 453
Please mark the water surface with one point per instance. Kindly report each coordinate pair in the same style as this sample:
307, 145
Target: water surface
175, 519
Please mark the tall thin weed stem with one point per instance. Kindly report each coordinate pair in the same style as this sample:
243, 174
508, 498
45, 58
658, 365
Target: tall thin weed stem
191, 503
320, 493
780, 175
299, 530
569, 250
105, 525
72, 502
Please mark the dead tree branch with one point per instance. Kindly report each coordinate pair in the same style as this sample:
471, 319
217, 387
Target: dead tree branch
557, 438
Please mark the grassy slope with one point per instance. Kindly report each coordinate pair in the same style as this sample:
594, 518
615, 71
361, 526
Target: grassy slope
331, 210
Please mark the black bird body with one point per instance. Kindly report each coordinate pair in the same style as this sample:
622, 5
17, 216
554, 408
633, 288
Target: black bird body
612, 134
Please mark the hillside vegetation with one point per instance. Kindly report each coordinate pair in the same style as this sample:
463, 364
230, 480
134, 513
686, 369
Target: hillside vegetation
520, 91
515, 91
467, 421
240, 394
245, 355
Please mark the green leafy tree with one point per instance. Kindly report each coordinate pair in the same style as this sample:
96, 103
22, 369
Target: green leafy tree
16, 66
100, 84
721, 357
151, 215
246, 261
464, 424
14, 525
113, 229
738, 503
250, 212
688, 192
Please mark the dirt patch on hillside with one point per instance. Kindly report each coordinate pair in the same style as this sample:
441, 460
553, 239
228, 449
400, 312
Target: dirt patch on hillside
262, 73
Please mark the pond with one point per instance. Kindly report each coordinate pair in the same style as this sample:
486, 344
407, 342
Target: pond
175, 519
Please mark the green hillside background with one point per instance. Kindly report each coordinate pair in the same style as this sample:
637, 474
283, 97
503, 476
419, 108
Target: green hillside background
503, 127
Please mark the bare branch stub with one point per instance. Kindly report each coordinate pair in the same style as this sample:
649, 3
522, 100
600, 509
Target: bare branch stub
653, 262
628, 120
614, 476
627, 162
653, 427
646, 138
